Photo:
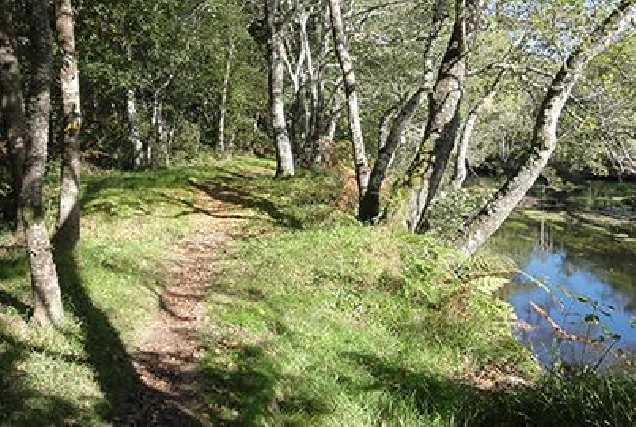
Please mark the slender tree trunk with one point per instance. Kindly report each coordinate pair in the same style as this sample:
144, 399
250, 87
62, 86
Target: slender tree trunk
320, 127
544, 140
279, 124
158, 122
296, 74
68, 221
47, 301
12, 106
311, 93
223, 107
306, 97
425, 172
349, 80
148, 153
276, 75
461, 172
370, 204
134, 134
384, 128
336, 110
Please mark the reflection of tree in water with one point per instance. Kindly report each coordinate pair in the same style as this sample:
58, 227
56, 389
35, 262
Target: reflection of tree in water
582, 249
545, 241
573, 250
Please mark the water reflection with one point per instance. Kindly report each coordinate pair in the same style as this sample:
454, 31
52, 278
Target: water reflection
569, 274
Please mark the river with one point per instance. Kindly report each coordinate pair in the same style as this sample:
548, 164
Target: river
575, 293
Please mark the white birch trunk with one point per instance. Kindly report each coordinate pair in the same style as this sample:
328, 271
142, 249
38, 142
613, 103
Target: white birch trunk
349, 79
223, 107
134, 134
68, 220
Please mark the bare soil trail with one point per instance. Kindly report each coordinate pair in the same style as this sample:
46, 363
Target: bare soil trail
166, 359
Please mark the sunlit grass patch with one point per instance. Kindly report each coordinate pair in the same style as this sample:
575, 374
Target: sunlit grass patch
349, 331
80, 373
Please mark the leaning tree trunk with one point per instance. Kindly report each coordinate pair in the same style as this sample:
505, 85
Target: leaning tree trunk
47, 301
349, 80
370, 204
68, 221
276, 83
425, 172
12, 106
479, 228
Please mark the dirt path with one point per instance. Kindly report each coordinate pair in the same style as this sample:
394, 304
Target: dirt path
166, 361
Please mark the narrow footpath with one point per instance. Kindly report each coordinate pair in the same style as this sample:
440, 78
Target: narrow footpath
166, 359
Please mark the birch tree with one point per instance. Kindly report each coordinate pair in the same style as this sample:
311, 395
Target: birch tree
544, 138
68, 221
47, 301
351, 92
276, 83
370, 204
414, 194
224, 92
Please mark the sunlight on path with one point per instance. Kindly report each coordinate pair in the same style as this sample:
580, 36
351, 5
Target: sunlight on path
166, 360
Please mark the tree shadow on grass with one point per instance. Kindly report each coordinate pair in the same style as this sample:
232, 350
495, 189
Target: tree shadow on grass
249, 199
128, 400
12, 266
246, 391
433, 396
20, 404
9, 300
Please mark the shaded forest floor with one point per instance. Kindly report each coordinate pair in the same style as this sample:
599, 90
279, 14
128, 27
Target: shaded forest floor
214, 295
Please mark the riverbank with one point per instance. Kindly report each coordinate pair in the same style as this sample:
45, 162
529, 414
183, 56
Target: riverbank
307, 318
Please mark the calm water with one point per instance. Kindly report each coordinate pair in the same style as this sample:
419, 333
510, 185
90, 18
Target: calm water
571, 273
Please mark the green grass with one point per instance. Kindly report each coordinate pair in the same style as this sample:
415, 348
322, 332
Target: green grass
313, 318
569, 398
81, 372
339, 327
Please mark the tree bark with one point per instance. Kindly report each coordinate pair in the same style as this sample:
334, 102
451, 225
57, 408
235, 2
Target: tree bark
544, 140
134, 134
224, 91
160, 128
349, 80
47, 301
464, 143
370, 204
12, 106
68, 221
276, 75
425, 172
321, 136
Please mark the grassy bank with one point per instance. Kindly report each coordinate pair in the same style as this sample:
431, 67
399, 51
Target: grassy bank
343, 327
312, 318
82, 372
